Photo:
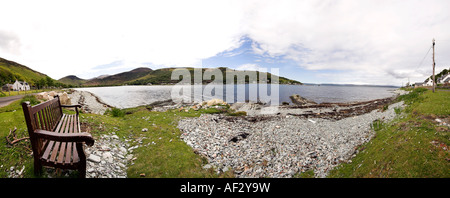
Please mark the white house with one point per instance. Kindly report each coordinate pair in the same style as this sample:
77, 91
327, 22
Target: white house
20, 86
428, 82
444, 79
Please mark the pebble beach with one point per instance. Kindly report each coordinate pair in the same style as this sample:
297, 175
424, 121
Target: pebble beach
279, 146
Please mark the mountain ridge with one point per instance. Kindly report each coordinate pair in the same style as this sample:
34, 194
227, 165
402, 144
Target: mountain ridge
145, 76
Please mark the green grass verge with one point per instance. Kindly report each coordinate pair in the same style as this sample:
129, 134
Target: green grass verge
412, 145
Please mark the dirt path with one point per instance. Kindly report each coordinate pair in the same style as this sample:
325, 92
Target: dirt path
5, 101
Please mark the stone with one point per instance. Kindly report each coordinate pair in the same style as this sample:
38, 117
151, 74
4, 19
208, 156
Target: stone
94, 158
64, 98
52, 93
214, 102
123, 150
107, 155
298, 100
144, 130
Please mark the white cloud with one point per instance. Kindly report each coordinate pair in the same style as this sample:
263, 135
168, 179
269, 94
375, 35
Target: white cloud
251, 67
386, 37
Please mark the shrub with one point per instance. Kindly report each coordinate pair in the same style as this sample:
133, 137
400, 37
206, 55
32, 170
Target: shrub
414, 96
31, 99
116, 112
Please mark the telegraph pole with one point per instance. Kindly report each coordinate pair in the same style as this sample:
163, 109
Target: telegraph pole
434, 65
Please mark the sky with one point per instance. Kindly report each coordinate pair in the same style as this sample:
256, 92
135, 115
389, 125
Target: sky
380, 42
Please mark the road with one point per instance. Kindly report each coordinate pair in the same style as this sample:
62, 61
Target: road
4, 101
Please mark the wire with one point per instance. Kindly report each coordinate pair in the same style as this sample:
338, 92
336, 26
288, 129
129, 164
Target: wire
424, 58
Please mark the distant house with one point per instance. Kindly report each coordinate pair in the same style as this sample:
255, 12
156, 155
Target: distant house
7, 87
419, 84
428, 82
20, 86
444, 79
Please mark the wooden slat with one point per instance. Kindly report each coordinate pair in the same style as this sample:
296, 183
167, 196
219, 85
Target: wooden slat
63, 145
75, 152
47, 119
40, 120
50, 144
56, 147
51, 117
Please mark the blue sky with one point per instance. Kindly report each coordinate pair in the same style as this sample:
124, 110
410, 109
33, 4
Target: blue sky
245, 58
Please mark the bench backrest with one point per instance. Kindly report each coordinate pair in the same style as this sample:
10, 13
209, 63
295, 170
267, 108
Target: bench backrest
44, 116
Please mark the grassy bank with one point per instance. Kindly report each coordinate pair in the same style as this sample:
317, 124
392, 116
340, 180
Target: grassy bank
412, 145
11, 117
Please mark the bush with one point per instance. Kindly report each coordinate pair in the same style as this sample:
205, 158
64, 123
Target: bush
33, 101
116, 112
414, 96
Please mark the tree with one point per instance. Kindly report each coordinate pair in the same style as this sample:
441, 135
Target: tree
41, 83
49, 81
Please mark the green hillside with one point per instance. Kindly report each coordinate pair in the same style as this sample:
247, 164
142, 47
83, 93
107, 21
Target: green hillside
145, 76
72, 80
163, 76
118, 79
10, 71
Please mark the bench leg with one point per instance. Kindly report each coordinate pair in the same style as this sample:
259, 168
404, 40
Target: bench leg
82, 170
37, 167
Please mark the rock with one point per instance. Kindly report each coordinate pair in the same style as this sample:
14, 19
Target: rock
144, 130
115, 137
123, 150
213, 102
94, 158
64, 98
298, 100
42, 96
52, 93
107, 155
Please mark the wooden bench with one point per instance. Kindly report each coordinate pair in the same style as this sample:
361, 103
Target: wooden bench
56, 138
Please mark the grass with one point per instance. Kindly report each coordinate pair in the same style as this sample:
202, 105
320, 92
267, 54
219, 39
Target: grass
12, 117
411, 146
15, 93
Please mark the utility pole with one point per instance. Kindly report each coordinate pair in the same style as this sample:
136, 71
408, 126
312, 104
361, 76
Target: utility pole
434, 65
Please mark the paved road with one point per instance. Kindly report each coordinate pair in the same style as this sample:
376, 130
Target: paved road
4, 101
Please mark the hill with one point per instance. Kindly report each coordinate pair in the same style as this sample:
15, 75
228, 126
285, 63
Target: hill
72, 80
119, 79
145, 76
163, 76
10, 71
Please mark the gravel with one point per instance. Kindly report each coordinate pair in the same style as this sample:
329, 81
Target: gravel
278, 146
90, 103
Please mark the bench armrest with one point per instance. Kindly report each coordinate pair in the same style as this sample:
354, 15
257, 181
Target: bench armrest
65, 137
70, 106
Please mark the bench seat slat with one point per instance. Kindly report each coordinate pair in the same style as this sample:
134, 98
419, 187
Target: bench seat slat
50, 144
57, 144
61, 152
